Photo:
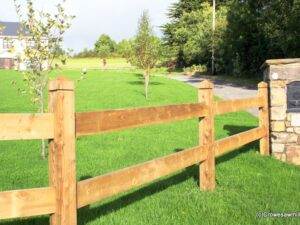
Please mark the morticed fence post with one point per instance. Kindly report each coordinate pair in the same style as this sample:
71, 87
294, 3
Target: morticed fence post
62, 169
264, 118
206, 137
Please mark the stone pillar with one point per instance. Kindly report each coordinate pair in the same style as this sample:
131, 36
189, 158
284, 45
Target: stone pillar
284, 125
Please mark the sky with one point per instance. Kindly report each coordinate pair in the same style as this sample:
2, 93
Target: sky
117, 18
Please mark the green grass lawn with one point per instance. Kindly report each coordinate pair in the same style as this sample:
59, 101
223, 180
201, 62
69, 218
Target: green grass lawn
247, 183
96, 63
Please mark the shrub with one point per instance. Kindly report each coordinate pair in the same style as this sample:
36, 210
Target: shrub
195, 70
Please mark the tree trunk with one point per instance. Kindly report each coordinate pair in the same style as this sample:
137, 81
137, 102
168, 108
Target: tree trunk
213, 39
42, 109
146, 77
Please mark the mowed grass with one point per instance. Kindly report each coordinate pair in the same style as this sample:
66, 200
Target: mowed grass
247, 183
96, 63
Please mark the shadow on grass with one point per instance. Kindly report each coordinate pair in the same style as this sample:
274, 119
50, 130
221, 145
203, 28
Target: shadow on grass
141, 82
87, 214
32, 221
233, 130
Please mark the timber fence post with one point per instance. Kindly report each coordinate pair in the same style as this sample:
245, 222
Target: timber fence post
264, 118
62, 168
206, 137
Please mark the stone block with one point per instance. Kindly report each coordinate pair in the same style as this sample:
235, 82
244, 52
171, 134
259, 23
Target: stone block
278, 126
295, 119
278, 96
287, 72
280, 156
278, 83
293, 154
278, 113
284, 137
297, 130
292, 138
290, 130
276, 147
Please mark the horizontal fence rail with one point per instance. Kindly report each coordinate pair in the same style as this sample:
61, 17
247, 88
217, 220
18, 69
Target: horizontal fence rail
26, 126
27, 202
228, 106
233, 142
62, 125
88, 123
98, 188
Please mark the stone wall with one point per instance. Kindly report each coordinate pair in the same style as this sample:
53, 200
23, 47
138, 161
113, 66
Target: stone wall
285, 127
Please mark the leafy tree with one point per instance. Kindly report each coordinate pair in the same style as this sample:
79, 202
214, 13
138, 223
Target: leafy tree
85, 53
125, 48
44, 36
191, 35
1, 28
146, 49
178, 9
258, 30
181, 7
105, 46
247, 33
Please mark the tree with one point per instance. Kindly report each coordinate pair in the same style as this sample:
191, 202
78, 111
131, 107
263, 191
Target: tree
1, 28
247, 33
86, 53
192, 37
44, 35
125, 48
146, 48
105, 46
258, 30
213, 38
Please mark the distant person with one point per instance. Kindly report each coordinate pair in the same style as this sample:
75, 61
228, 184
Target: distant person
104, 62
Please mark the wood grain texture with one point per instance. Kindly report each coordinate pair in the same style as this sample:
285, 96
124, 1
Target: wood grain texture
52, 161
264, 120
62, 160
231, 143
97, 122
227, 106
101, 187
27, 202
26, 126
206, 137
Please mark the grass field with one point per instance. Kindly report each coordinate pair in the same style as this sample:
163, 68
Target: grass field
96, 63
247, 183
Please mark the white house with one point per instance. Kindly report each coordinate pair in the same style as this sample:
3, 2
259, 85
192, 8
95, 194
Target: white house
11, 46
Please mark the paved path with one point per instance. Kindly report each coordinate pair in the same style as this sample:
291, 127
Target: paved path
223, 89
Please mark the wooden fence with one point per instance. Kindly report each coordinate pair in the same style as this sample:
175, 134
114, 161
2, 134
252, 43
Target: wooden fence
62, 125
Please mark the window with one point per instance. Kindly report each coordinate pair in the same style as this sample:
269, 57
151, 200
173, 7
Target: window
7, 43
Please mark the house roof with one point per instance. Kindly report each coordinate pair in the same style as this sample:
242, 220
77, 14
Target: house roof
10, 28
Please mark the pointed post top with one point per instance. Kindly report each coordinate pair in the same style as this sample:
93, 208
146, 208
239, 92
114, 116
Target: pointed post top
61, 83
206, 84
262, 85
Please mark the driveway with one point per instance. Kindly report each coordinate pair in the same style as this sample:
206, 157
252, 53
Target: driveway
223, 89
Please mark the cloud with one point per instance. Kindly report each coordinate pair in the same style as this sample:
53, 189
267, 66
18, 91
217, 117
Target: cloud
117, 18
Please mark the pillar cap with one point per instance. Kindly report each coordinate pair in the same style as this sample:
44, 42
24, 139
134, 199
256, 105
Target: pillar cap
262, 85
61, 83
271, 62
206, 84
